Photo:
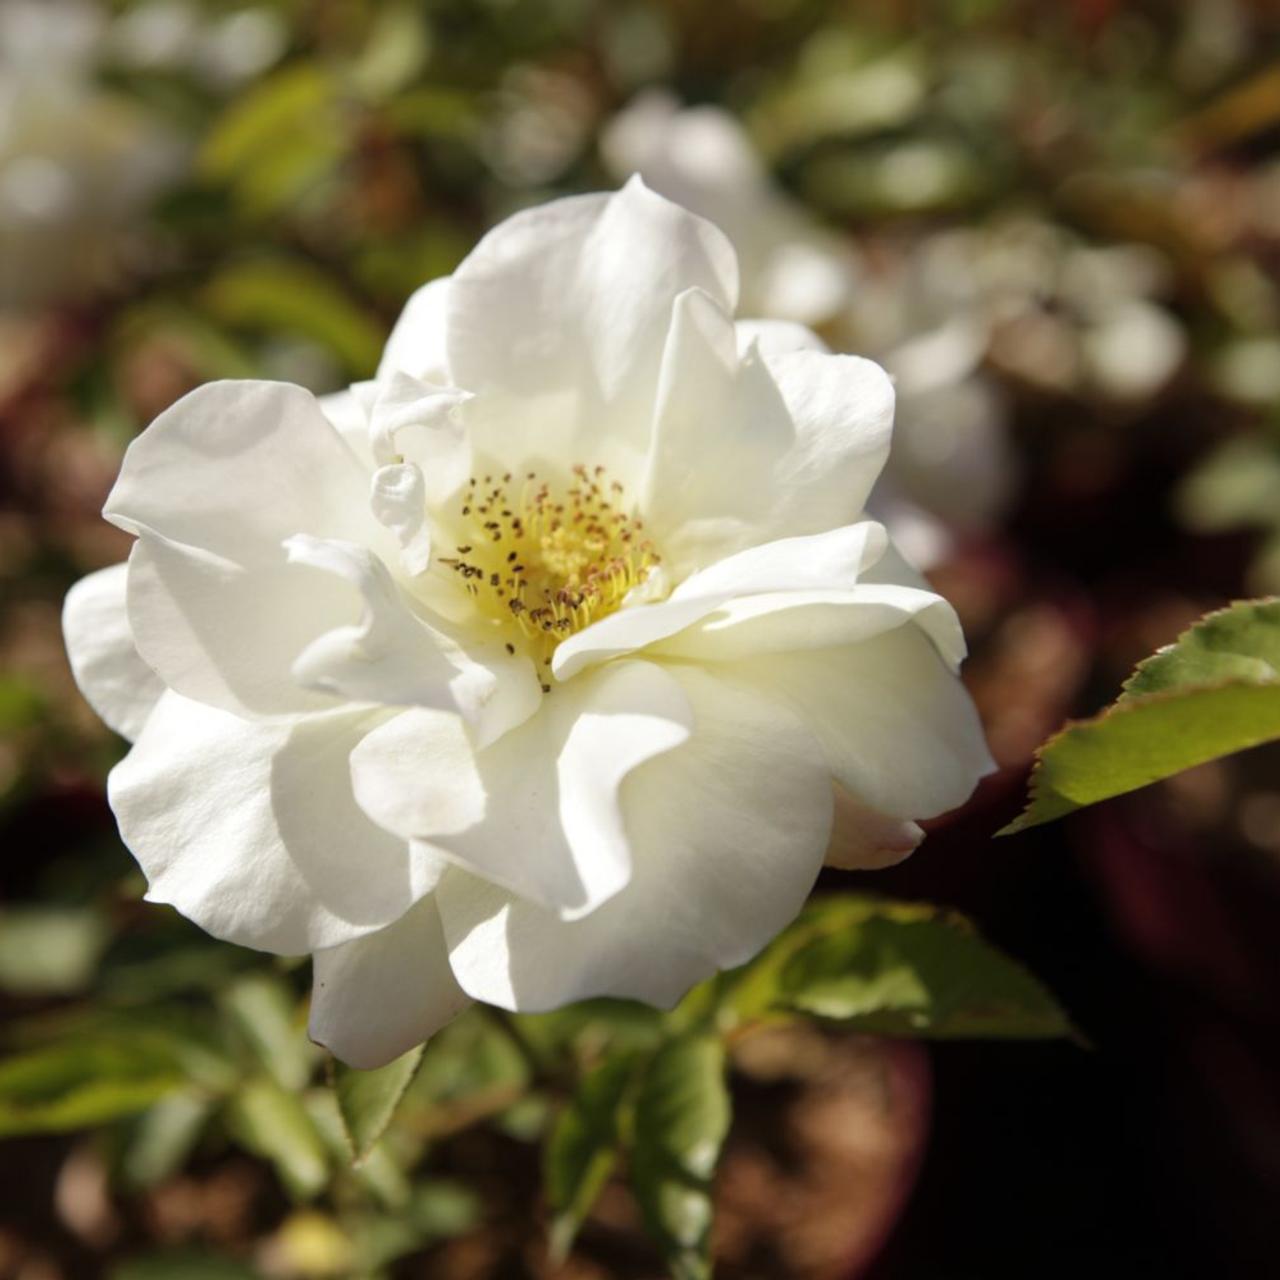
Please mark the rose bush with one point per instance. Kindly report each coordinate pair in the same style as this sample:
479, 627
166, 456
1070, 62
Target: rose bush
549, 664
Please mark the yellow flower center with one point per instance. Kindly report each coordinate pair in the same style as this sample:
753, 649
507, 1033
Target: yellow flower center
542, 563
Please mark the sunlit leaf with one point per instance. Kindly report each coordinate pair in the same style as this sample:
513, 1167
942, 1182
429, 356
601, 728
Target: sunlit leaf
905, 969
1213, 692
682, 1114
280, 139
368, 1099
278, 295
79, 1083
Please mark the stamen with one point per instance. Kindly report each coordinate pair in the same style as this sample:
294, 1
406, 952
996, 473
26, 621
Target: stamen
544, 565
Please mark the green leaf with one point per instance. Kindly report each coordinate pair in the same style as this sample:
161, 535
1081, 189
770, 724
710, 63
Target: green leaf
682, 1114
281, 295
379, 1173
368, 1099
583, 1148
262, 1008
1241, 642
905, 969
273, 1123
470, 1070
183, 1265
1213, 692
81, 1083
280, 140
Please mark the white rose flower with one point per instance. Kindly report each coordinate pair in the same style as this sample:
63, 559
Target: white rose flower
550, 665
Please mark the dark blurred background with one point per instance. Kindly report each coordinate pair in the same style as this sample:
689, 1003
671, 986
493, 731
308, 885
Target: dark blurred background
1058, 225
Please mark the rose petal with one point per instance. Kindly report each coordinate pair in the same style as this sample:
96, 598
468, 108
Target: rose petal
727, 834
235, 467
899, 730
537, 811
864, 840
379, 996
557, 320
393, 657
827, 561
784, 622
251, 830
109, 671
417, 343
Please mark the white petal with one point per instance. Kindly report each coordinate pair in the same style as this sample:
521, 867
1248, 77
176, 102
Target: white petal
786, 621
391, 656
417, 345
538, 811
559, 315
417, 776
108, 669
827, 561
864, 840
347, 412
842, 408
251, 830
420, 422
399, 501
899, 730
225, 634
774, 337
749, 450
379, 996
235, 467
727, 834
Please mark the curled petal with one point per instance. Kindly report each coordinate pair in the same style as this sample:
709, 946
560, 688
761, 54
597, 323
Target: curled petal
391, 656
538, 811
864, 840
898, 728
109, 671
727, 834
784, 622
235, 467
399, 501
420, 422
557, 319
779, 441
252, 831
826, 561
379, 996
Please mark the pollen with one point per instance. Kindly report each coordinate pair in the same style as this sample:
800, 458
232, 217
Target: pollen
543, 562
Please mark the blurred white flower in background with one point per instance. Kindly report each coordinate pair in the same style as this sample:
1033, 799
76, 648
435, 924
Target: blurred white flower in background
551, 664
76, 162
1070, 317
221, 50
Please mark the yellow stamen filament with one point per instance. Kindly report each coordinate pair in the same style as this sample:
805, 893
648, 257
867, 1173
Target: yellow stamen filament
545, 564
